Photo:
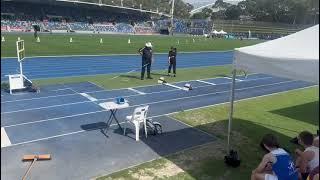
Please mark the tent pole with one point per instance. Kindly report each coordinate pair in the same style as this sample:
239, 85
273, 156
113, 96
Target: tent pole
231, 106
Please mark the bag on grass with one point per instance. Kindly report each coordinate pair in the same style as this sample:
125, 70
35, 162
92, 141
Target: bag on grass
154, 127
232, 159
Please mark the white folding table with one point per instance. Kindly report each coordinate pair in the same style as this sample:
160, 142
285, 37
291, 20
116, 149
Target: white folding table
113, 108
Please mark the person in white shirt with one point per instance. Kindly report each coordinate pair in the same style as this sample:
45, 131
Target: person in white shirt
307, 160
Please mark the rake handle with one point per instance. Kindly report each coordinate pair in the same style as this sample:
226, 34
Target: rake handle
25, 175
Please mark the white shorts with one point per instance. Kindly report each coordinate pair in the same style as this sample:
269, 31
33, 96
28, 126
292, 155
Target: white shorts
270, 177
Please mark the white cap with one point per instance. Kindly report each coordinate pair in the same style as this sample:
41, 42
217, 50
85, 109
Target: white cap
148, 44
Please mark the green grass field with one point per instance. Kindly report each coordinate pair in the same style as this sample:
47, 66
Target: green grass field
133, 79
283, 114
58, 44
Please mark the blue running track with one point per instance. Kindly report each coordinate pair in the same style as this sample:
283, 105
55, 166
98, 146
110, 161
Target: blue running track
52, 67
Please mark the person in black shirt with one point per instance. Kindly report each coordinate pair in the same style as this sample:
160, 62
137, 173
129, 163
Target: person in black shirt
146, 53
172, 61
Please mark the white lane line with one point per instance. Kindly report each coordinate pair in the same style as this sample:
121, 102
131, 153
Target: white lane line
5, 141
96, 85
76, 132
71, 94
50, 137
136, 91
206, 82
235, 79
53, 119
60, 89
88, 96
45, 97
220, 92
45, 107
156, 102
174, 86
111, 98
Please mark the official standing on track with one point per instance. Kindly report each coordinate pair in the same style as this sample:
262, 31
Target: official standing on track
146, 53
172, 61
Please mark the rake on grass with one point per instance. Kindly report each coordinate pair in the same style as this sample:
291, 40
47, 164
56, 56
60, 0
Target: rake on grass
34, 158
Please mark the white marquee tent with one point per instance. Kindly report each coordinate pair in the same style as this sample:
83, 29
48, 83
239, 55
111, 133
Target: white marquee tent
222, 32
215, 32
295, 56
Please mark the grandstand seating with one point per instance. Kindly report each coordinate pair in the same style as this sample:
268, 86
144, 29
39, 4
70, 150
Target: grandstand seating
81, 26
124, 28
56, 26
104, 28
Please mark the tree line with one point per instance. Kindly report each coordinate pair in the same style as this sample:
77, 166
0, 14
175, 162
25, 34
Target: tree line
279, 11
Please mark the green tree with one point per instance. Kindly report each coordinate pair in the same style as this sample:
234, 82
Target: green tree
233, 12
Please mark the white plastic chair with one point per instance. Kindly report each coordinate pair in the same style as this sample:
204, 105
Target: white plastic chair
139, 116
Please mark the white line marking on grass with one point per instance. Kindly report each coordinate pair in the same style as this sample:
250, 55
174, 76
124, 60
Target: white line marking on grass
206, 82
88, 96
136, 91
5, 141
76, 132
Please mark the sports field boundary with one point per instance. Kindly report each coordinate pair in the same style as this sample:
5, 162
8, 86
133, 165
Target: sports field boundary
124, 54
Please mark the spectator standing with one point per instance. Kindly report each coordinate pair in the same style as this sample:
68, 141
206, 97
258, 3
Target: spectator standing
146, 53
172, 61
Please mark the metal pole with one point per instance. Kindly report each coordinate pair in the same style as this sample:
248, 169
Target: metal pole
20, 68
172, 10
231, 106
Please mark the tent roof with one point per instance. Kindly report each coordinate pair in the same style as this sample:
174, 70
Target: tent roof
295, 56
222, 32
215, 32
